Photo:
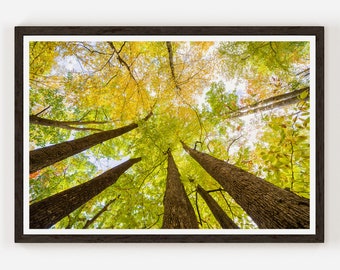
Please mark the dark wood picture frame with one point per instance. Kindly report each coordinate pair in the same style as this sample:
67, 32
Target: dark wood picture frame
315, 31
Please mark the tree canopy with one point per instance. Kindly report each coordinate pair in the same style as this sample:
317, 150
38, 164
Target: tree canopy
243, 102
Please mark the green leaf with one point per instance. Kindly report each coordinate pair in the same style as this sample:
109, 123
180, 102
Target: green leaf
304, 95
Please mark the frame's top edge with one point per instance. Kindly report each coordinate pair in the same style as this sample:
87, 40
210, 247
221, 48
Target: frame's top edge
169, 30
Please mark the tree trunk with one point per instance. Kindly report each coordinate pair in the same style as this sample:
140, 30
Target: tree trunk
46, 156
220, 215
45, 213
178, 211
269, 206
273, 99
64, 124
270, 103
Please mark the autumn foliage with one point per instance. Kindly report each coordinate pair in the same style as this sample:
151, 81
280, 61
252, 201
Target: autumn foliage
246, 103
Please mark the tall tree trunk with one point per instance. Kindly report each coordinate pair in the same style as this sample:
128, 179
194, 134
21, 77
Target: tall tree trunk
270, 103
178, 211
46, 156
273, 99
268, 205
45, 213
220, 215
64, 124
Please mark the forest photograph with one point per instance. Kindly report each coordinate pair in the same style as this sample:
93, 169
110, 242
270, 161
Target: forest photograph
169, 133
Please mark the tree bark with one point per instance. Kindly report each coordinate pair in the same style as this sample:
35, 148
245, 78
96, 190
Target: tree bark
269, 206
45, 213
270, 103
281, 97
220, 215
64, 124
178, 211
46, 156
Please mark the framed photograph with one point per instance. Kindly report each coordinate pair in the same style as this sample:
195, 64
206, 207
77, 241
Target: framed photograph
169, 134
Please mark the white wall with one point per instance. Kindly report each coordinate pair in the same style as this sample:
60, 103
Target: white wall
176, 13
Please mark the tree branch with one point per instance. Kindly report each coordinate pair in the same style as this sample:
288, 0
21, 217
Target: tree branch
171, 62
153, 224
49, 106
197, 115
150, 172
64, 124
197, 208
93, 219
230, 144
121, 61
